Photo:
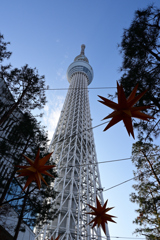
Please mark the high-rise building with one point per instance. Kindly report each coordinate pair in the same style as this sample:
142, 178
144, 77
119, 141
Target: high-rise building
73, 147
9, 215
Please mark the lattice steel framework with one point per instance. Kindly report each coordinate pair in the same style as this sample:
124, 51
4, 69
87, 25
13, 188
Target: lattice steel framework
73, 147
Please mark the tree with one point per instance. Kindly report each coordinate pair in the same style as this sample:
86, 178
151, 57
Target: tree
22, 90
140, 47
26, 87
33, 206
146, 158
24, 138
3, 54
3, 49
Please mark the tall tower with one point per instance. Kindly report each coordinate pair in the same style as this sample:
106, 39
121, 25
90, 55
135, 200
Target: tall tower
73, 147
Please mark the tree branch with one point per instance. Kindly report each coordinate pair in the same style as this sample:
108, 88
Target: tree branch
17, 197
154, 173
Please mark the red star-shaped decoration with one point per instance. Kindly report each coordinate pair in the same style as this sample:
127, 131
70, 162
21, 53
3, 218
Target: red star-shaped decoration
100, 215
124, 110
55, 239
35, 170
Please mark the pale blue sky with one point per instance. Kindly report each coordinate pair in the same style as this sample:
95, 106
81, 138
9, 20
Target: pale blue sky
48, 35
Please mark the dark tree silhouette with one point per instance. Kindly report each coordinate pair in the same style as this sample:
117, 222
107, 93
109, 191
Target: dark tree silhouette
146, 158
140, 47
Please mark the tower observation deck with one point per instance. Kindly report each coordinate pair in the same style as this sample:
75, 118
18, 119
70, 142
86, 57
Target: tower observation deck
78, 182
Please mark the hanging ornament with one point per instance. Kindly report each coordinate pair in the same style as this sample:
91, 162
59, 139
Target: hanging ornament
55, 239
35, 170
124, 110
100, 215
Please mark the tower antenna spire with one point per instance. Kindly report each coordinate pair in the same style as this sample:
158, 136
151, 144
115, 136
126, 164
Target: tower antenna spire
82, 49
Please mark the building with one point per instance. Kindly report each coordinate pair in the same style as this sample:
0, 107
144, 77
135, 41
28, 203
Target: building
6, 101
73, 147
8, 215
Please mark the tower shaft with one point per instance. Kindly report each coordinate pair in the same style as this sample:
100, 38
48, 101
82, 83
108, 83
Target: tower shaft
78, 182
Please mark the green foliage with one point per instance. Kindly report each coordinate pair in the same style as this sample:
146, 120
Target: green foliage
26, 87
147, 189
140, 47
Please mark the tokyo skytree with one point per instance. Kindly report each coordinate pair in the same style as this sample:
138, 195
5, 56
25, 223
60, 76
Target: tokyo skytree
78, 182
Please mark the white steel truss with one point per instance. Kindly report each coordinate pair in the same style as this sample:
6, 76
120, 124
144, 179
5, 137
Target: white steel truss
78, 181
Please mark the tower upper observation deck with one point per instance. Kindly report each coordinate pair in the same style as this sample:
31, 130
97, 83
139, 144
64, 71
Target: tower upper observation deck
80, 65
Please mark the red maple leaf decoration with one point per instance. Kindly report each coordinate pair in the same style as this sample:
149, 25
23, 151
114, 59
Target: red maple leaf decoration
124, 110
100, 215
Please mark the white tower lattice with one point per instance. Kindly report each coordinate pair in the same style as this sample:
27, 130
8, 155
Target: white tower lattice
73, 147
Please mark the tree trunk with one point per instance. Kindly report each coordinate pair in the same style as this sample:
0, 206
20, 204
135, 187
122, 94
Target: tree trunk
21, 216
154, 173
